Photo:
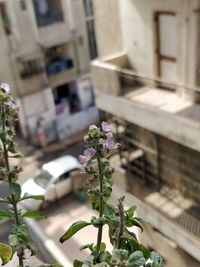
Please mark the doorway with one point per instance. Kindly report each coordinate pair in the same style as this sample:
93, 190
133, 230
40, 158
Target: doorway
166, 50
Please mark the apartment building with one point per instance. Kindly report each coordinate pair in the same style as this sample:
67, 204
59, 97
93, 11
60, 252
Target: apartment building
45, 50
146, 80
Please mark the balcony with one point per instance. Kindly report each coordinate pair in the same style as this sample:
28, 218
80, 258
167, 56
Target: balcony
59, 65
30, 72
60, 72
167, 211
147, 102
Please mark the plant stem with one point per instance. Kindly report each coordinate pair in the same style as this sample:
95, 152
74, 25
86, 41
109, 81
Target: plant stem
121, 223
100, 229
14, 203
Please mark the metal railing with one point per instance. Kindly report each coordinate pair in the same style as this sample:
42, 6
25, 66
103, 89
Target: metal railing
132, 76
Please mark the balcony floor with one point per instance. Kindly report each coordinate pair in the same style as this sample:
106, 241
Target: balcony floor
169, 202
165, 100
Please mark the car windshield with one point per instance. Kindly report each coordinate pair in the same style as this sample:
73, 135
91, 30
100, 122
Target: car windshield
43, 179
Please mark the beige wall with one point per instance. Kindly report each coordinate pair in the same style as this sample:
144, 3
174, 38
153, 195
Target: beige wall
129, 25
173, 255
108, 29
80, 34
27, 42
138, 33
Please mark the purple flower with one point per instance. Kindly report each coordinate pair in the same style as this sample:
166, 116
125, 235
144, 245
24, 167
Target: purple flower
87, 155
89, 152
5, 86
82, 159
108, 144
105, 126
92, 127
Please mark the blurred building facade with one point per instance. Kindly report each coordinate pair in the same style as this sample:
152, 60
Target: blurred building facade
146, 80
46, 47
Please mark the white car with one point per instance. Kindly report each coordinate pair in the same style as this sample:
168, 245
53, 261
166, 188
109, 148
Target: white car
53, 181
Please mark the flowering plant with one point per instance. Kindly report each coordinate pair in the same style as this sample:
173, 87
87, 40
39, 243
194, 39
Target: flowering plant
127, 251
20, 244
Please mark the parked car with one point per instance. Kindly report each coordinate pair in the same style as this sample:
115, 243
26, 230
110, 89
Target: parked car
53, 181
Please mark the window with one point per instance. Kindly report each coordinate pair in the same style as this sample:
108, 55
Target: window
43, 179
30, 68
47, 12
89, 14
91, 39
5, 19
64, 177
88, 5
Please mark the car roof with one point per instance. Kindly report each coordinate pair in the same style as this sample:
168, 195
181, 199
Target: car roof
61, 165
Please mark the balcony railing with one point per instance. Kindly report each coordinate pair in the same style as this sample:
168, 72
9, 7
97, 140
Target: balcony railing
59, 66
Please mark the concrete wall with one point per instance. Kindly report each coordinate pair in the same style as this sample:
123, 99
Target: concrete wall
172, 254
27, 38
28, 42
80, 36
180, 131
163, 235
6, 74
107, 24
138, 33
34, 106
105, 78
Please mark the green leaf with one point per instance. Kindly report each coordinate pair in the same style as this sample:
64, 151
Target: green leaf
14, 240
32, 247
15, 189
77, 263
107, 192
157, 259
34, 214
17, 156
137, 259
120, 254
102, 264
73, 229
19, 234
3, 136
89, 260
141, 220
97, 222
21, 230
105, 256
12, 147
2, 200
90, 246
109, 209
130, 211
145, 251
5, 253
6, 214
132, 222
102, 247
36, 197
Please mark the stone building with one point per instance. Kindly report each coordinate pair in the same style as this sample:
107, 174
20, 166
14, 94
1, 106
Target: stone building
146, 80
45, 50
